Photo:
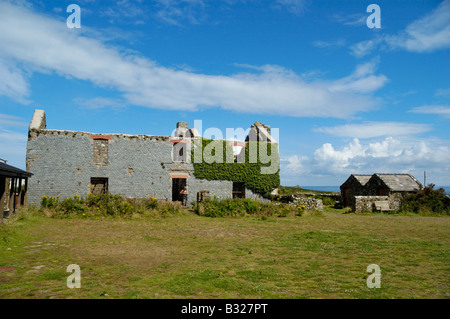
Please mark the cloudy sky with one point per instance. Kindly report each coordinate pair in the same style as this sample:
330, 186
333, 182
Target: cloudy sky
346, 98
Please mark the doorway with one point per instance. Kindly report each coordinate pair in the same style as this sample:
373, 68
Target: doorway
346, 197
177, 185
99, 185
238, 190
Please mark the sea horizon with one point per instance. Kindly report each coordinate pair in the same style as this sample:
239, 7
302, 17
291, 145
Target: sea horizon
337, 189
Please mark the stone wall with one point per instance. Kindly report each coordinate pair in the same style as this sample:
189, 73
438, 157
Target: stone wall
309, 202
366, 203
63, 164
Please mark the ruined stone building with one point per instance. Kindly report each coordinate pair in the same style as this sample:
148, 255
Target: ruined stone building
68, 163
382, 192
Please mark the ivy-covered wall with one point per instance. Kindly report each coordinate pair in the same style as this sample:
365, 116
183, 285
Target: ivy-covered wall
259, 172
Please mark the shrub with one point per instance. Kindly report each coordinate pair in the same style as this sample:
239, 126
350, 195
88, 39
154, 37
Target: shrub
241, 207
327, 201
72, 206
106, 205
427, 201
49, 202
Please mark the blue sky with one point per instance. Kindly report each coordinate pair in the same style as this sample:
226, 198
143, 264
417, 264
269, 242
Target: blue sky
346, 98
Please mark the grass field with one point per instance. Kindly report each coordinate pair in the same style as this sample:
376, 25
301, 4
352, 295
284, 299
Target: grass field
188, 256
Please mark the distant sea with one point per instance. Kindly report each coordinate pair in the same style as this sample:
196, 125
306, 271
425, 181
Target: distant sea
322, 188
336, 188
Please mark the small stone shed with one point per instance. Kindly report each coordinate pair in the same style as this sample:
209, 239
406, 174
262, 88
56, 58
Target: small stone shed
13, 187
353, 186
381, 192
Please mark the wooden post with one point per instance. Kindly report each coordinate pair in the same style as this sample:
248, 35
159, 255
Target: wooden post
2, 196
25, 192
424, 178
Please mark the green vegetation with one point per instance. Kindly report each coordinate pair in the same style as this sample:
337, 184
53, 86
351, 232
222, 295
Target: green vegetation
189, 256
106, 205
245, 207
427, 201
290, 190
248, 173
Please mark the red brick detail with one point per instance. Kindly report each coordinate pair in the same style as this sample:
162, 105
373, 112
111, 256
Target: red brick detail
101, 137
179, 176
237, 143
179, 141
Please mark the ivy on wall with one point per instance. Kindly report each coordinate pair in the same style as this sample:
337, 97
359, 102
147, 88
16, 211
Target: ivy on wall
259, 172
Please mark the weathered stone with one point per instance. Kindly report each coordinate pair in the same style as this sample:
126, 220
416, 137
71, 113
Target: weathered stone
65, 162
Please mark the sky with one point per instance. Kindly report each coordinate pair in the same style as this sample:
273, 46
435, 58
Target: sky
346, 98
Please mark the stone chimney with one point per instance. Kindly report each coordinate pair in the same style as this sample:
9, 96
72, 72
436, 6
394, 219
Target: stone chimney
38, 122
182, 129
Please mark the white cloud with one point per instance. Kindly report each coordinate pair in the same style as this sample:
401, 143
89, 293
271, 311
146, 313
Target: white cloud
442, 110
361, 80
363, 48
375, 129
12, 147
338, 43
10, 120
389, 155
294, 6
100, 102
428, 34
13, 83
176, 12
443, 92
355, 20
47, 45
295, 164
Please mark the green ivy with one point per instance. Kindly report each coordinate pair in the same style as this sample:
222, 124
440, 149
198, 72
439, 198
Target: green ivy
248, 173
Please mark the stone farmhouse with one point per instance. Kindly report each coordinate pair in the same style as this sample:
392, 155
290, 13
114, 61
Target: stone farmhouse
68, 163
381, 192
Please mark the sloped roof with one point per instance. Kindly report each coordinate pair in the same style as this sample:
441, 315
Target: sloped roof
363, 179
400, 182
11, 171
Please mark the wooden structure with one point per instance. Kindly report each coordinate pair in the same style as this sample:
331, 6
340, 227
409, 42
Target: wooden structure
13, 187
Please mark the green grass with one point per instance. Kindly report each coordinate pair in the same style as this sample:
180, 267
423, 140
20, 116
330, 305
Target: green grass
289, 190
188, 256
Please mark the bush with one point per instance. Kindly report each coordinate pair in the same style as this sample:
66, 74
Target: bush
327, 201
49, 202
427, 201
106, 205
72, 206
242, 207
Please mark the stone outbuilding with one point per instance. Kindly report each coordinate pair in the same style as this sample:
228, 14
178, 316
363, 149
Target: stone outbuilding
353, 186
389, 184
377, 192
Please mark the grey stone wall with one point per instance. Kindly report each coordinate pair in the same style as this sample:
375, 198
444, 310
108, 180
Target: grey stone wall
63, 163
310, 203
363, 203
218, 189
